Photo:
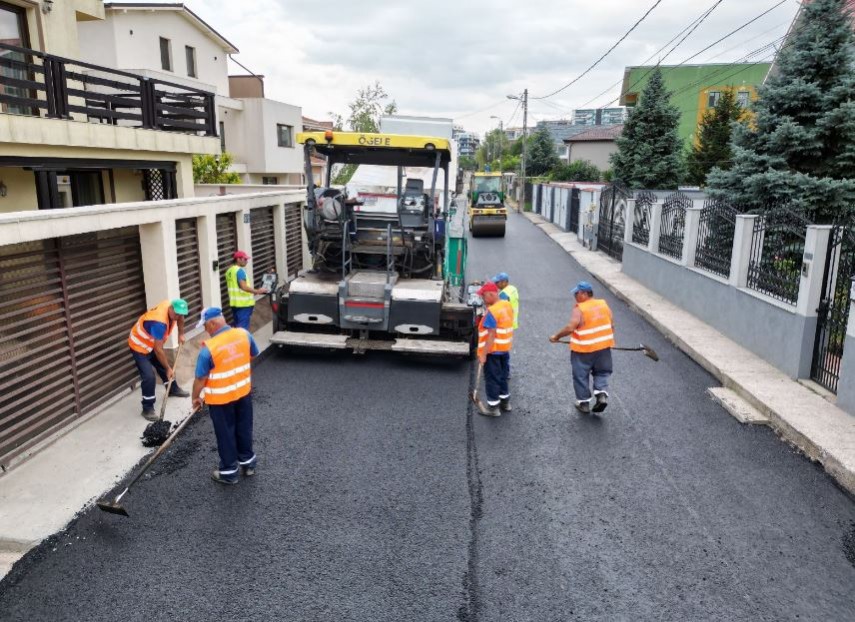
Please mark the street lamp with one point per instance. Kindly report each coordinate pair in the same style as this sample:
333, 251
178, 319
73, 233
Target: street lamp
524, 101
501, 144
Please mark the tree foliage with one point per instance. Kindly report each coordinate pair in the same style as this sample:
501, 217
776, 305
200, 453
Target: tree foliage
650, 152
213, 169
540, 156
712, 148
494, 146
800, 147
578, 170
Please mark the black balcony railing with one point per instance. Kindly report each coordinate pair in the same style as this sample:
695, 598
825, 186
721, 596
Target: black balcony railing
37, 84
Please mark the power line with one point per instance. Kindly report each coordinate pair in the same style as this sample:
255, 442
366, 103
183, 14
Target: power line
490, 107
600, 59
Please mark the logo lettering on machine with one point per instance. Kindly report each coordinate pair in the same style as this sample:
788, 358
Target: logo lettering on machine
374, 141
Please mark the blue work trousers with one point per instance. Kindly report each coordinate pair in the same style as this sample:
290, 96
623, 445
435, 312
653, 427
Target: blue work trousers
149, 368
496, 371
242, 316
587, 365
233, 427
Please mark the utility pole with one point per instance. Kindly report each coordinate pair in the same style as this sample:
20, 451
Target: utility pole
521, 202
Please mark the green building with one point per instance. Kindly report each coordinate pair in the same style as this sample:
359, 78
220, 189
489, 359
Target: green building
696, 88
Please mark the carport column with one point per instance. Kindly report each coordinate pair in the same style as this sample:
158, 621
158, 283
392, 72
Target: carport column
208, 256
655, 224
629, 220
244, 239
690, 235
279, 240
813, 269
160, 264
741, 253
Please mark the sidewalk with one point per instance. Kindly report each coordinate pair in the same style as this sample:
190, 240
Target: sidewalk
823, 432
40, 496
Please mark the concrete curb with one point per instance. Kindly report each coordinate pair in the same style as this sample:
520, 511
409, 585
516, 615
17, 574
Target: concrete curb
805, 420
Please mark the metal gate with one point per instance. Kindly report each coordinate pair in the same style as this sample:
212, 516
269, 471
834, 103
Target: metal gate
294, 238
263, 241
833, 311
227, 244
189, 272
66, 306
610, 230
573, 207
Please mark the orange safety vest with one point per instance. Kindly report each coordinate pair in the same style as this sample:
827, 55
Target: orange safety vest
503, 311
595, 332
139, 340
229, 380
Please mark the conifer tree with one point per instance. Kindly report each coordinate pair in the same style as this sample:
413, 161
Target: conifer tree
712, 148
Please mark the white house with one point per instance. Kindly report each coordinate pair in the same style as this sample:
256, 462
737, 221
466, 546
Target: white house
172, 43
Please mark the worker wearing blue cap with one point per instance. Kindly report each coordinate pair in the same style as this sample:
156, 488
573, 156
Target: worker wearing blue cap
591, 331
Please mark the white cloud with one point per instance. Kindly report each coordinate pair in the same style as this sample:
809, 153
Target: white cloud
453, 57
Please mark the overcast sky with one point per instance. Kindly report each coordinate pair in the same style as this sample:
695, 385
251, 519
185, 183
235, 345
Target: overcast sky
457, 57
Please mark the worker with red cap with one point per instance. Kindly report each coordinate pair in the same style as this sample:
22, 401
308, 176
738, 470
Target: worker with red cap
241, 292
495, 339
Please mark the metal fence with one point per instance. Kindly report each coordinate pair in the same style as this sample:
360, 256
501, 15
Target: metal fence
715, 237
644, 201
610, 230
673, 225
777, 248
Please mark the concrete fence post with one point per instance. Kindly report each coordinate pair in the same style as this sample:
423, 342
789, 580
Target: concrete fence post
690, 235
655, 225
846, 385
279, 240
244, 239
813, 269
207, 227
160, 264
741, 254
629, 220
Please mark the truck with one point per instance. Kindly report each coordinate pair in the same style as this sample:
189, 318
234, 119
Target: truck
379, 279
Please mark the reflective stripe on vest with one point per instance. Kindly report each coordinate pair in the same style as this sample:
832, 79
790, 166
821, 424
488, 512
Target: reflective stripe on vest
504, 314
139, 340
230, 378
514, 298
595, 332
238, 297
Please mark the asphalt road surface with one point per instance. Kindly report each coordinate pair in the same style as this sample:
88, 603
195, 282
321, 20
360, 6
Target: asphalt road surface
380, 496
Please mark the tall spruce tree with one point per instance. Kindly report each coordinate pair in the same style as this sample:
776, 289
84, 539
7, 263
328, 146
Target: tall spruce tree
799, 149
541, 157
712, 148
650, 152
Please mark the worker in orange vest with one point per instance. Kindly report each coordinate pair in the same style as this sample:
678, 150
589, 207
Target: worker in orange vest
146, 343
495, 339
223, 382
591, 331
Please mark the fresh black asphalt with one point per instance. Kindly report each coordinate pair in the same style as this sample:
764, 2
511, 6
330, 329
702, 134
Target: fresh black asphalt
380, 496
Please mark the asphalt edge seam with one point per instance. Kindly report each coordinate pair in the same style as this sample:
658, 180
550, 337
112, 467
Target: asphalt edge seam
470, 609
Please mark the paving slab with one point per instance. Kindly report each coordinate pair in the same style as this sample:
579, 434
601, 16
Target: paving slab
800, 416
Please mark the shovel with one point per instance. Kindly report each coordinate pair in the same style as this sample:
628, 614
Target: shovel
474, 397
648, 351
155, 431
114, 507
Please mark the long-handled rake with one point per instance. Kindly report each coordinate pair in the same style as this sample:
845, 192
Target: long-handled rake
114, 507
648, 351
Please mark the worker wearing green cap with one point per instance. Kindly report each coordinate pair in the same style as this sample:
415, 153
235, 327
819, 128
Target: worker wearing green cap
146, 343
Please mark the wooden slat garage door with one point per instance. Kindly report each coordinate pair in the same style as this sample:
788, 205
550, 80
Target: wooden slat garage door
263, 242
189, 274
226, 246
294, 238
66, 306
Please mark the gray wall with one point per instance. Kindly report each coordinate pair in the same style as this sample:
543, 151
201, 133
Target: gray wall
846, 386
779, 336
597, 152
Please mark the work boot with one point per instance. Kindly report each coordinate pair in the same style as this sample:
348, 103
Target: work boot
489, 411
505, 405
583, 406
148, 413
176, 391
249, 471
602, 401
222, 479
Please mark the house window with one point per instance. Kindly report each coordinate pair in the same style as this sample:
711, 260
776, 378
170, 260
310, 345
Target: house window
742, 98
165, 54
284, 135
190, 53
713, 99
13, 31
270, 181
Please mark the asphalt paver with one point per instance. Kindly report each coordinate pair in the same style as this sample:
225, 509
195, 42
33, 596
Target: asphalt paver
380, 495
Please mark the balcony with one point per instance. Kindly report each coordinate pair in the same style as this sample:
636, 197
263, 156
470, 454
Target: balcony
42, 85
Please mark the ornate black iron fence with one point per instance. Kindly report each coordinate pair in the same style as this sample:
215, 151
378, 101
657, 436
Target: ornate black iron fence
673, 224
715, 237
644, 201
610, 230
833, 312
777, 248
